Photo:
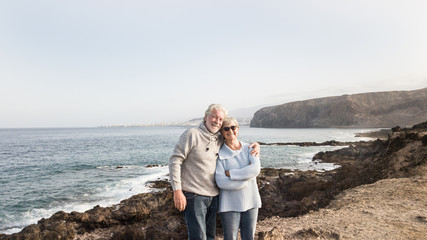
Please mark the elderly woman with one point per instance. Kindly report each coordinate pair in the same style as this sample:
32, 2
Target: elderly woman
235, 175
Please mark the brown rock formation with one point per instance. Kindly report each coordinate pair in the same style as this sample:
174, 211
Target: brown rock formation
377, 109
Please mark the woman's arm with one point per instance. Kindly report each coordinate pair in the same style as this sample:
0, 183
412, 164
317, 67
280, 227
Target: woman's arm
225, 182
247, 172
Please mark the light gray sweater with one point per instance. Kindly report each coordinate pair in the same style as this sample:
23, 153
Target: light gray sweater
192, 164
239, 192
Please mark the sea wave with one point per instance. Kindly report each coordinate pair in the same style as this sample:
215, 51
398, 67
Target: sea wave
105, 196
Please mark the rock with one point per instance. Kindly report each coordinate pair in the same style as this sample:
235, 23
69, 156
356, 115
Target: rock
377, 109
273, 234
159, 184
315, 234
309, 144
154, 165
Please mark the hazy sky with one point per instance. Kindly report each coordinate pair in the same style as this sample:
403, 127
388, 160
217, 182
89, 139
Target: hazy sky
85, 63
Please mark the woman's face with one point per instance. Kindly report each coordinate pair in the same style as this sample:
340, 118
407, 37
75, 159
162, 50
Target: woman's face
231, 133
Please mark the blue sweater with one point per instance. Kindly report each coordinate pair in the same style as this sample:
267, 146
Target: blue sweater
239, 192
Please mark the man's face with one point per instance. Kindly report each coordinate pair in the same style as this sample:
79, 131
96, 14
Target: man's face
213, 121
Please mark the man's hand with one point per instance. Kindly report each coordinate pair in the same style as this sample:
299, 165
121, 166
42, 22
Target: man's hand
179, 200
256, 149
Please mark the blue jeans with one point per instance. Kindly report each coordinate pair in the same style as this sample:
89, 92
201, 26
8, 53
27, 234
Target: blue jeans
200, 216
246, 221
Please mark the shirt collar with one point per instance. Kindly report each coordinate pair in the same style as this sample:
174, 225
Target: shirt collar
227, 153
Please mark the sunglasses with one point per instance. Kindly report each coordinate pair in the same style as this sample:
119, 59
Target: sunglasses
228, 128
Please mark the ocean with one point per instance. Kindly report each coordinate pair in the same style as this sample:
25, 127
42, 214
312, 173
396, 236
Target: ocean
74, 169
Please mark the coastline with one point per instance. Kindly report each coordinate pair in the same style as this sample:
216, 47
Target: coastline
288, 197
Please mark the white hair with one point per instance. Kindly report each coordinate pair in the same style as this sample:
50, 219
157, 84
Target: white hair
218, 107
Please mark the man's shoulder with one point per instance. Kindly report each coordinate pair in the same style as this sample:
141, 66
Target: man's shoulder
194, 131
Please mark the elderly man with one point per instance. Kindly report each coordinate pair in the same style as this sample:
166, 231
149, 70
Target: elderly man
192, 173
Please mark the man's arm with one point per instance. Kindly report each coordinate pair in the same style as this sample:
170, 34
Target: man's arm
178, 157
256, 149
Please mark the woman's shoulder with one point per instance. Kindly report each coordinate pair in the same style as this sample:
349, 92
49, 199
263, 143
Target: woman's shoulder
245, 147
244, 144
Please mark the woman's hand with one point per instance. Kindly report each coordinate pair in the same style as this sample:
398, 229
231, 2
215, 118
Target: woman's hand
227, 173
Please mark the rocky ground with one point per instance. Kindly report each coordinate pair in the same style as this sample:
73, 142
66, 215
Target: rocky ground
388, 209
379, 192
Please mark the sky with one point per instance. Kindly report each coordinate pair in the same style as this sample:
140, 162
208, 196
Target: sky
89, 63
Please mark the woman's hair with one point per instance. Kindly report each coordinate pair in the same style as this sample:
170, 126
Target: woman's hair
218, 107
229, 120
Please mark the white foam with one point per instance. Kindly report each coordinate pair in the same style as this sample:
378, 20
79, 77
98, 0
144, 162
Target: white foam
10, 230
128, 187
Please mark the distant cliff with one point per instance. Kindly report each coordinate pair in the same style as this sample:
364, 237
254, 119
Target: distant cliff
377, 109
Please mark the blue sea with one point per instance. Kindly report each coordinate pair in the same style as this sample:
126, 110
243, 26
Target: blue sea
74, 169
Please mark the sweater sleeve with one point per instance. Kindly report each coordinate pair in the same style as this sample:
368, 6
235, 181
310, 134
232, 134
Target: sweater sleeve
225, 182
250, 171
179, 155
